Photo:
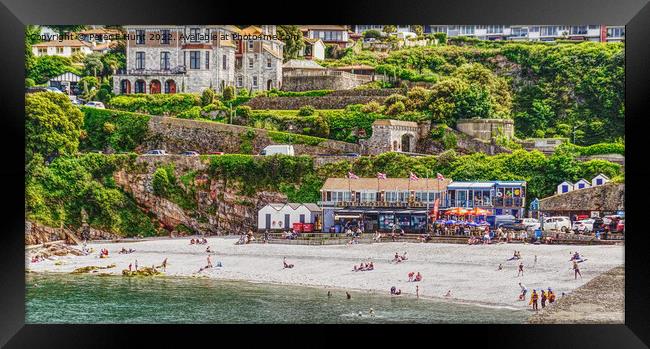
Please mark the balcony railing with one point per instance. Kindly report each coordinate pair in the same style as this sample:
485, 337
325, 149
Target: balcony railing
181, 69
389, 204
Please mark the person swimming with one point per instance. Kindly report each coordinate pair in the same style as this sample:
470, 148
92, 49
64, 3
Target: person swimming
348, 295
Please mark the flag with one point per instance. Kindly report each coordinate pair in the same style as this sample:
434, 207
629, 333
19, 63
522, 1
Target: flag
440, 177
352, 176
381, 175
413, 177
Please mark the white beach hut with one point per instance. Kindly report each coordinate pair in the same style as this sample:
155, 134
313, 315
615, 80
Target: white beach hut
276, 216
564, 187
581, 184
599, 180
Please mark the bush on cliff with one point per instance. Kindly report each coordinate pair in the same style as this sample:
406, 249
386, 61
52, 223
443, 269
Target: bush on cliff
127, 132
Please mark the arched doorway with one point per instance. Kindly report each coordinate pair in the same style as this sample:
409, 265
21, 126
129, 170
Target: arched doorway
125, 87
170, 86
269, 84
140, 86
406, 142
154, 87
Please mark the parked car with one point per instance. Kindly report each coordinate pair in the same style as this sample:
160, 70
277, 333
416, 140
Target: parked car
216, 153
559, 223
278, 149
499, 220
190, 153
583, 226
517, 224
620, 227
156, 152
93, 104
531, 223
53, 89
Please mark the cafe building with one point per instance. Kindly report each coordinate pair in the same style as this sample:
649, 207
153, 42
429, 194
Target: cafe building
500, 197
380, 204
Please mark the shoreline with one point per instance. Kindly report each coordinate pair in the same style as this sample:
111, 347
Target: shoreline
469, 271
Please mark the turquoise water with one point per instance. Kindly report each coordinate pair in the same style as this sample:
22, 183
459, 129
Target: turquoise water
65, 298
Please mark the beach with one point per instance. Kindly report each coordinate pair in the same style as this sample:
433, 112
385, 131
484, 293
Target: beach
470, 272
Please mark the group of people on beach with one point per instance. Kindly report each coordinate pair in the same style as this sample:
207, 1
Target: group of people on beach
198, 241
364, 266
516, 256
413, 277
398, 258
286, 265
543, 296
37, 259
125, 251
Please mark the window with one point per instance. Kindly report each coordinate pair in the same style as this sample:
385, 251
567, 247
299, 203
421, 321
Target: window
165, 37
599, 181
240, 83
224, 62
302, 218
194, 34
59, 50
42, 50
207, 60
519, 32
139, 37
164, 60
581, 185
140, 86
76, 49
616, 32
195, 59
549, 31
565, 188
139, 60
254, 80
268, 62
250, 44
494, 29
250, 63
579, 30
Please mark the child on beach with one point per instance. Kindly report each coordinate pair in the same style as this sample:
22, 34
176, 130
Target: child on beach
576, 270
521, 269
411, 276
500, 267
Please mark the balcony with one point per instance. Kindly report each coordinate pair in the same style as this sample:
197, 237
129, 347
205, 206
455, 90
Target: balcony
381, 204
181, 69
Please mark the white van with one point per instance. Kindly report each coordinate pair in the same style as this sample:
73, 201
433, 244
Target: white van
278, 149
559, 223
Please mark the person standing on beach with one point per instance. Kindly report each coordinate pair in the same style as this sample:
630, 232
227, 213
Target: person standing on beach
164, 264
130, 265
209, 262
329, 294
535, 263
136, 265
544, 297
347, 295
576, 270
533, 300
417, 291
521, 269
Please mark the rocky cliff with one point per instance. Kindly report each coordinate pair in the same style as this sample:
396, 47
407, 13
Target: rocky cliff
220, 209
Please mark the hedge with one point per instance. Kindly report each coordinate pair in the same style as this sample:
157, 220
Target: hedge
156, 104
121, 131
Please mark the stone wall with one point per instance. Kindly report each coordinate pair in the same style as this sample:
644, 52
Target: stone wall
177, 135
608, 197
486, 129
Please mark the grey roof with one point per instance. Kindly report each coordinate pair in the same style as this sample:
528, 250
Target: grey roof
477, 185
313, 207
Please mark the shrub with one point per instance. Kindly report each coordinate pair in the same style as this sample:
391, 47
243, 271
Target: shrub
192, 113
29, 82
394, 98
396, 108
306, 110
156, 104
449, 140
372, 107
128, 131
229, 93
243, 110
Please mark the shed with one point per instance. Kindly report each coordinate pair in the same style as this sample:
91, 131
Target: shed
564, 187
581, 184
278, 216
599, 180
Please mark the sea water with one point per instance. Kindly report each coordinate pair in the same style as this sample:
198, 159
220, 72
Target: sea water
65, 298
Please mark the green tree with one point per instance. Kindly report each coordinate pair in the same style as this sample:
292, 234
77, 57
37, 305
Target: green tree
418, 29
389, 29
207, 97
52, 125
93, 64
372, 34
293, 40
47, 67
229, 93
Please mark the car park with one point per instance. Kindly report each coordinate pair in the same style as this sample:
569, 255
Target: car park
156, 152
190, 153
93, 104
559, 223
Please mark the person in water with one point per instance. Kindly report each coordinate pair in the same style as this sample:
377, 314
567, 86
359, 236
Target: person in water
448, 294
348, 295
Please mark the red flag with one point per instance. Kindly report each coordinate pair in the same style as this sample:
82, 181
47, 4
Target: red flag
352, 176
435, 208
381, 175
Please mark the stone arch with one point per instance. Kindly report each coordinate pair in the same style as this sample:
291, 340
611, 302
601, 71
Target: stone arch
407, 142
154, 87
125, 86
170, 86
140, 86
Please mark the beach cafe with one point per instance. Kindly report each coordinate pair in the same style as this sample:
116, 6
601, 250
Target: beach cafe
372, 204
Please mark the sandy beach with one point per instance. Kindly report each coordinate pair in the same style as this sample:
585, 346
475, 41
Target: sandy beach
470, 272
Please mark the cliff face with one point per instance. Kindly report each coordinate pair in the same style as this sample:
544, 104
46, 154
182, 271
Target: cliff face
219, 207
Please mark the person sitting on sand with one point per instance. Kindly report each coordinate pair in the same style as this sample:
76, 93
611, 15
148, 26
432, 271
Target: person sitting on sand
411, 276
418, 277
448, 294
514, 257
208, 250
286, 265
164, 264
500, 267
397, 258
371, 266
192, 242
404, 257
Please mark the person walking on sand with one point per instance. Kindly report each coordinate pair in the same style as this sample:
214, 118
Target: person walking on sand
209, 262
544, 297
535, 263
533, 300
130, 265
417, 291
521, 269
164, 264
136, 265
576, 270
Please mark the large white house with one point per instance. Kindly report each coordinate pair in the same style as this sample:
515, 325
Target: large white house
278, 216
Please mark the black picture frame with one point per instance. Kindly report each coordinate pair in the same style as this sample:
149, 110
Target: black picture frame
14, 14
